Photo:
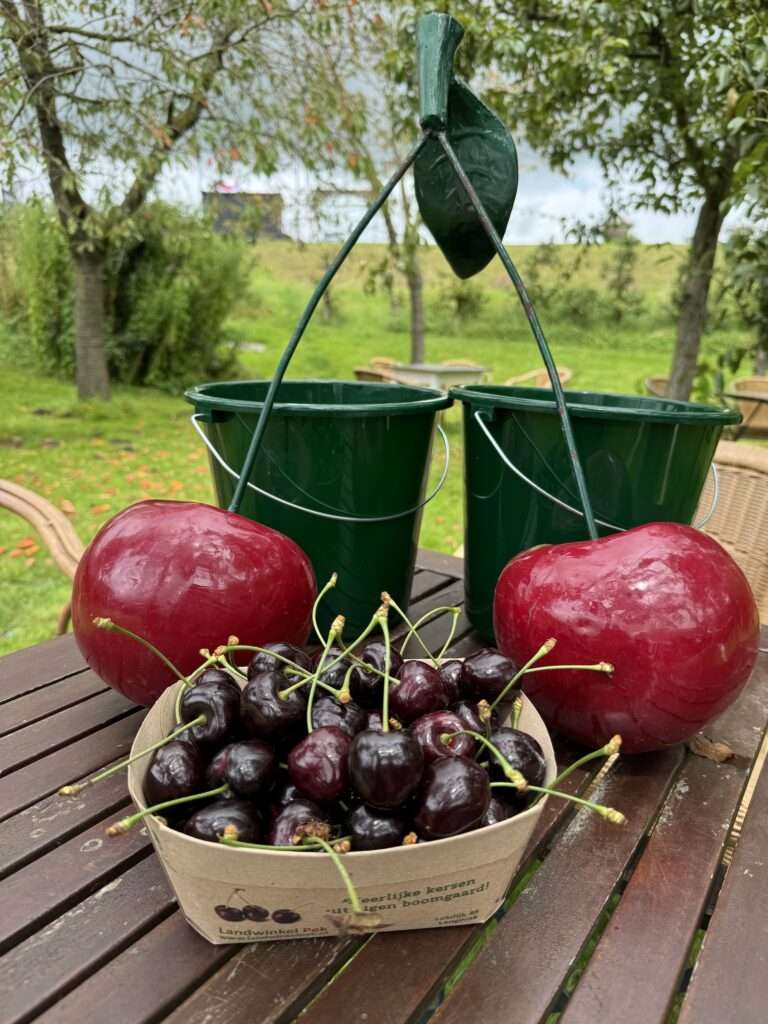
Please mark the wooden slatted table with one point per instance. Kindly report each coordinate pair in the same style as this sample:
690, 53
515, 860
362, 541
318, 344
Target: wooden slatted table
663, 920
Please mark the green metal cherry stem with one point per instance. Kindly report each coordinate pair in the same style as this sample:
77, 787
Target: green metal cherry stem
102, 622
609, 813
76, 787
337, 627
382, 615
611, 747
125, 824
516, 778
536, 329
317, 294
542, 652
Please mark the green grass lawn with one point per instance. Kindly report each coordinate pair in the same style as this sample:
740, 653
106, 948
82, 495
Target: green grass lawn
94, 459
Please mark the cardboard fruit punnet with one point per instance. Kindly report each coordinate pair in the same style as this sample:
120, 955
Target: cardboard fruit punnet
461, 880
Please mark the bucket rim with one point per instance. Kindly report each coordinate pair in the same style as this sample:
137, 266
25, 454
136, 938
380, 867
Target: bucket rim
581, 403
423, 399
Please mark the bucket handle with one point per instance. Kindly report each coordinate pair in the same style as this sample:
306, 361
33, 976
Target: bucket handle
338, 517
577, 512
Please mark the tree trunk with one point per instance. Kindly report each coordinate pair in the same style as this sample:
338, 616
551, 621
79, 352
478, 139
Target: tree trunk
91, 372
415, 283
692, 314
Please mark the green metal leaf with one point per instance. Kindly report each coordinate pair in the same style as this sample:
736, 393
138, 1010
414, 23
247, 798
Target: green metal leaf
488, 155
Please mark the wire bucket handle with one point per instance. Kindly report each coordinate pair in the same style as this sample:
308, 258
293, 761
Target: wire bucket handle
478, 417
336, 516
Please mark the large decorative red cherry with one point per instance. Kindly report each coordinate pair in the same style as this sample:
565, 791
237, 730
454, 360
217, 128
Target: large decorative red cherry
665, 604
185, 575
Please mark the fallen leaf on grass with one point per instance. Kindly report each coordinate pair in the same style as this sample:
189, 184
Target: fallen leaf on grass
67, 507
29, 562
27, 542
95, 509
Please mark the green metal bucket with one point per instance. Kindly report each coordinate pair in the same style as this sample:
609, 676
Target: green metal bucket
645, 460
342, 470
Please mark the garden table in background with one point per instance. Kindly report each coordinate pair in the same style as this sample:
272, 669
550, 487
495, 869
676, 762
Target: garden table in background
89, 930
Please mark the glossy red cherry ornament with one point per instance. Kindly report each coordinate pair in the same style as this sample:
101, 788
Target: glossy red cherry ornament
185, 575
665, 604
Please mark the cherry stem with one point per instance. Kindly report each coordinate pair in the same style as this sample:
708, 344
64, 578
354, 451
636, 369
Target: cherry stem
600, 666
455, 612
354, 899
106, 623
516, 778
295, 669
609, 813
305, 847
382, 615
611, 747
517, 709
545, 648
413, 627
74, 788
125, 824
328, 586
336, 629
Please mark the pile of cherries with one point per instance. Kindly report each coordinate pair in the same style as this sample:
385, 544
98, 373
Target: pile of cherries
344, 749
271, 779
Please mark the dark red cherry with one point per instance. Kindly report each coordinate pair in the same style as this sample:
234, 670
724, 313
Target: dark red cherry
371, 829
485, 674
450, 676
373, 720
524, 754
418, 691
268, 715
349, 717
318, 764
332, 676
467, 711
498, 810
285, 916
255, 913
453, 798
385, 767
263, 662
367, 687
283, 792
288, 820
248, 767
209, 822
175, 770
430, 727
216, 696
230, 913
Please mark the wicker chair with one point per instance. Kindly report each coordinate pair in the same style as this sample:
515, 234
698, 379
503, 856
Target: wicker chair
740, 521
657, 386
540, 378
754, 413
56, 531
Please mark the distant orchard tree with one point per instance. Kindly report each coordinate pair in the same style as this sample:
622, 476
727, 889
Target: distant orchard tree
102, 94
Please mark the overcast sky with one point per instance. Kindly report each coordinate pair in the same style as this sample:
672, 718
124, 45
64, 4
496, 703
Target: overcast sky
543, 199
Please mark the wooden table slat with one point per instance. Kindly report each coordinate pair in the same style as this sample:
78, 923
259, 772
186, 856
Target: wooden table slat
37, 780
72, 690
147, 980
730, 979
37, 893
31, 833
671, 883
426, 583
35, 667
58, 730
436, 561
72, 947
558, 908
